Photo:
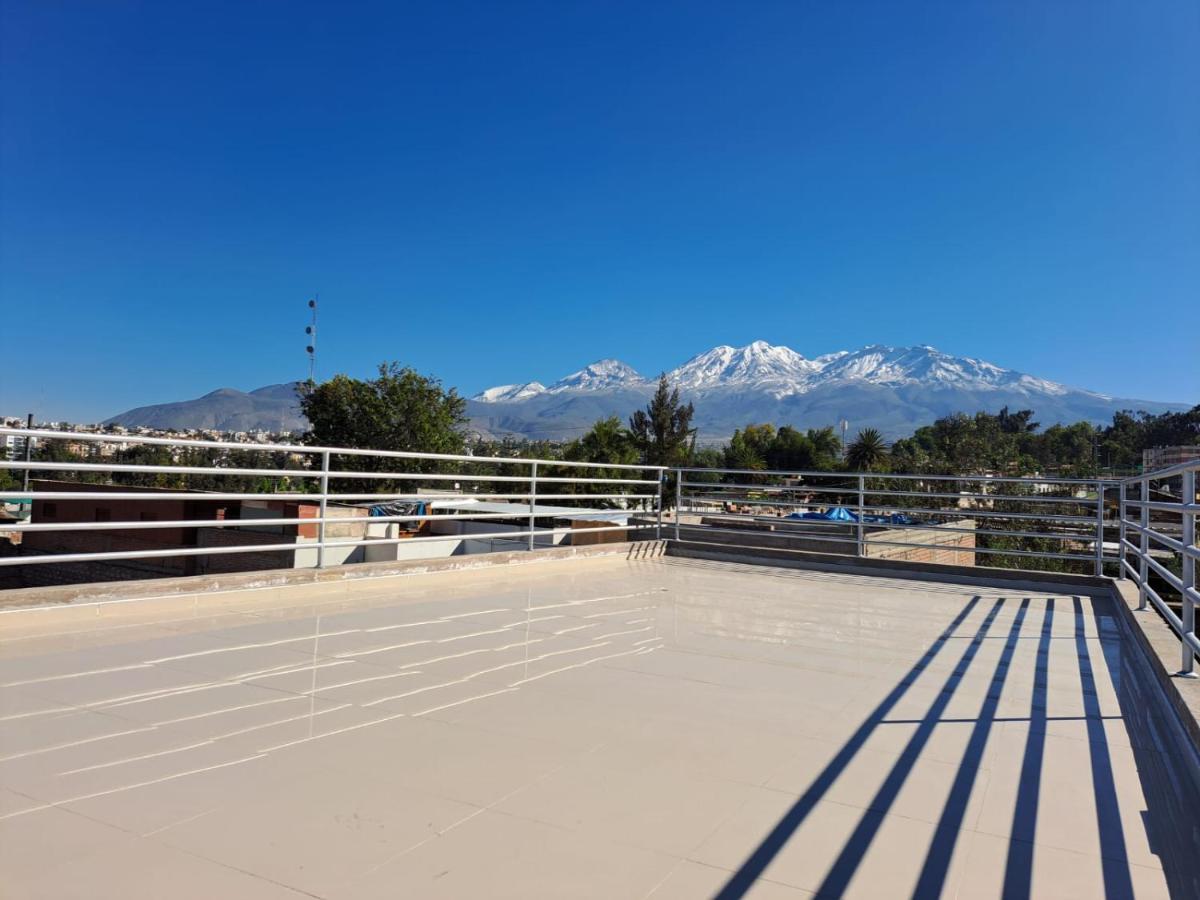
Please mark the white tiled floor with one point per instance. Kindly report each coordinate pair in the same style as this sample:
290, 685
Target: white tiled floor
580, 728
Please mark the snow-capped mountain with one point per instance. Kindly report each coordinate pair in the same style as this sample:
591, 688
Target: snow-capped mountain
755, 363
600, 375
877, 364
894, 389
506, 392
604, 374
783, 372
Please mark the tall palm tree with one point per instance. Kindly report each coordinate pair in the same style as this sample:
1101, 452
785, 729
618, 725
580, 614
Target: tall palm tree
867, 452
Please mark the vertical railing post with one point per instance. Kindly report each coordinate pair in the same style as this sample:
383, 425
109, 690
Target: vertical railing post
1121, 532
324, 509
1099, 528
1144, 544
678, 500
662, 475
28, 454
1188, 497
533, 467
861, 503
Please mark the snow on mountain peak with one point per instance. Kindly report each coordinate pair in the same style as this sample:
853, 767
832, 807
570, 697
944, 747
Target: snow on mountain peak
508, 392
781, 371
753, 364
603, 373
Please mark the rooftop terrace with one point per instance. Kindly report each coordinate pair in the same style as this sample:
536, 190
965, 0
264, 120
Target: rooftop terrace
592, 728
665, 683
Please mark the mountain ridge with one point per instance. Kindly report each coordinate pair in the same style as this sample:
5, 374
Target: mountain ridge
787, 372
894, 389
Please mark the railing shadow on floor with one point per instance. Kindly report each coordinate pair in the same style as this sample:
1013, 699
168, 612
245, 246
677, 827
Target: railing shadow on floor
1166, 755
936, 866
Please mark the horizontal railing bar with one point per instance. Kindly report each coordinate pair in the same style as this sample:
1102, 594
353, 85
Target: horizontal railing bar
1170, 577
1175, 545
717, 529
772, 488
47, 434
984, 514
272, 548
314, 499
1166, 506
1014, 498
1053, 535
1163, 607
962, 513
795, 473
869, 492
1166, 574
1137, 550
1168, 472
484, 536
465, 516
147, 554
851, 540
303, 473
744, 501
995, 551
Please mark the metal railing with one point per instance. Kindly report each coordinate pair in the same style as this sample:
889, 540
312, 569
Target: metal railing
319, 477
1060, 521
1163, 526
1058, 524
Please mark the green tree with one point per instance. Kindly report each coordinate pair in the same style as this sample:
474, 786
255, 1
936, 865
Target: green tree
791, 449
749, 447
827, 448
398, 410
1020, 422
9, 481
867, 452
663, 432
606, 442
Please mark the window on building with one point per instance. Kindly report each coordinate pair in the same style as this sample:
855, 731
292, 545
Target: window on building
50, 510
103, 514
149, 517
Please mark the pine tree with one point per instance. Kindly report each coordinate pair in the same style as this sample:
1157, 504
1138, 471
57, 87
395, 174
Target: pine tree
663, 431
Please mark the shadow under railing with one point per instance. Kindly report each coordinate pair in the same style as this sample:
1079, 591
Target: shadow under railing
1018, 872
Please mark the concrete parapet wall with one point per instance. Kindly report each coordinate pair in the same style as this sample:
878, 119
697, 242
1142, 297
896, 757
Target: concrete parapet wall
165, 588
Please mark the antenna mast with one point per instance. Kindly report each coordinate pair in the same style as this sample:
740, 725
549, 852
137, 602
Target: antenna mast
311, 349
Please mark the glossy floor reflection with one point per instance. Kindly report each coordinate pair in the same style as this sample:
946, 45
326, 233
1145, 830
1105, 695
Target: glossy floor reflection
583, 728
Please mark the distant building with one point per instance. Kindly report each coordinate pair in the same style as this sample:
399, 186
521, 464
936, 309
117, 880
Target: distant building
1162, 457
86, 512
357, 536
14, 444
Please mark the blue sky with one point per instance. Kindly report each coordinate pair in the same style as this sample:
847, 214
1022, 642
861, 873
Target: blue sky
496, 192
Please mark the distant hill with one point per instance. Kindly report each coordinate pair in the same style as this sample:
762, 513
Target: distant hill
271, 408
894, 389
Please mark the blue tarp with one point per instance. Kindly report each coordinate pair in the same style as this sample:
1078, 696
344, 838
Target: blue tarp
399, 509
833, 514
841, 514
